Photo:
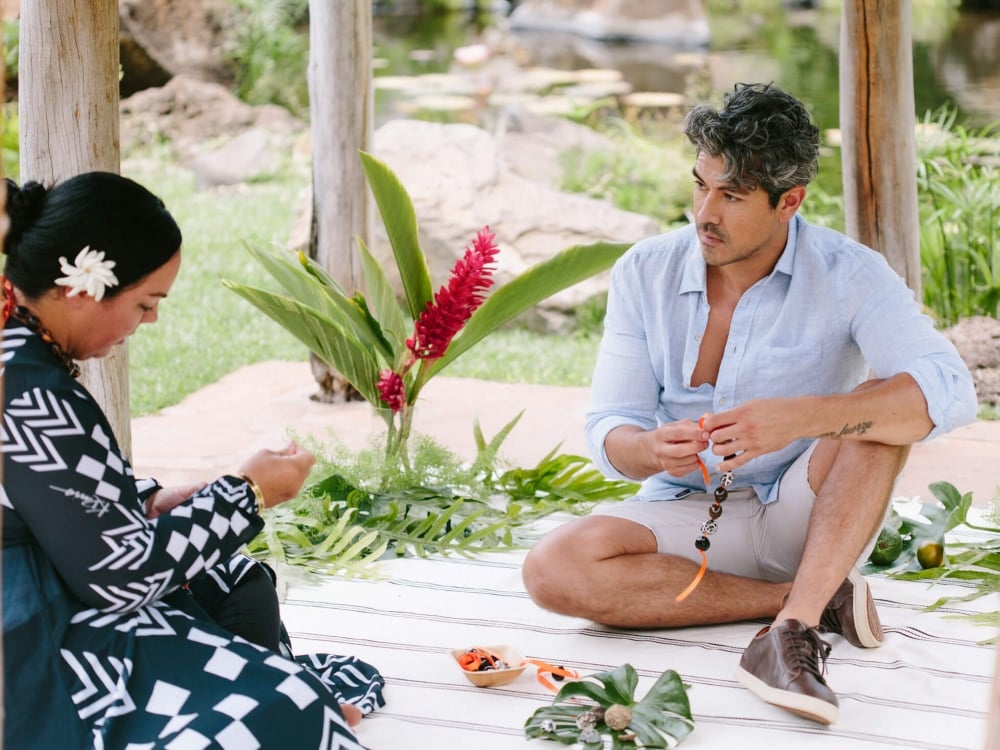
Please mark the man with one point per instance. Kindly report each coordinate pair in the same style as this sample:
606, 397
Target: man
789, 355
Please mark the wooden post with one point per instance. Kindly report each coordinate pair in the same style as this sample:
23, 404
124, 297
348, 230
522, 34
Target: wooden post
68, 102
878, 130
341, 111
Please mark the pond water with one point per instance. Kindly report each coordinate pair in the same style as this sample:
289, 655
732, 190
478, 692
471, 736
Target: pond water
956, 59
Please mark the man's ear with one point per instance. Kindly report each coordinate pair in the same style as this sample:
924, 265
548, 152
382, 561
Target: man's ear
791, 201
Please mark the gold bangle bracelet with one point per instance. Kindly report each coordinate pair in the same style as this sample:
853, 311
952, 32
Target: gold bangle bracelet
258, 495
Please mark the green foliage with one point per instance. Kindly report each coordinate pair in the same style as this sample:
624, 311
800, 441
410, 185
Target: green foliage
936, 519
661, 719
9, 142
11, 47
958, 181
271, 53
975, 562
359, 509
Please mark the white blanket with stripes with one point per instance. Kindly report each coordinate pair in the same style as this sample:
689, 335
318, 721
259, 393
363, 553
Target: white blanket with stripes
927, 687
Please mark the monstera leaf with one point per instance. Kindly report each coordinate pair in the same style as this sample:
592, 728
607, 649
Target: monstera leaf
661, 719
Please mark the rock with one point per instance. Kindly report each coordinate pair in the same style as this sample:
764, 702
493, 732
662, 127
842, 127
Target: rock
197, 116
249, 156
163, 38
978, 341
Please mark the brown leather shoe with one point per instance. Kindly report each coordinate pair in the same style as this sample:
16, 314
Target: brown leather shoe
852, 613
784, 665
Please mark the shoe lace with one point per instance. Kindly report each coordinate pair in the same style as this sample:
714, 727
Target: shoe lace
805, 650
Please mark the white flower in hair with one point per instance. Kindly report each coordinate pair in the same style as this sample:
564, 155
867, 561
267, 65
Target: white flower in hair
89, 273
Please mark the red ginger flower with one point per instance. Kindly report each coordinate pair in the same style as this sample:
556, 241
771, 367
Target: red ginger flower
454, 303
390, 388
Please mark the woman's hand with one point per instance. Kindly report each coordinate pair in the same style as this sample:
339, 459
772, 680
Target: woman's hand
166, 499
279, 474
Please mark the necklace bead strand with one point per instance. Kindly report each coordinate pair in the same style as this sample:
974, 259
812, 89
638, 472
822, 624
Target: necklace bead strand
708, 528
24, 315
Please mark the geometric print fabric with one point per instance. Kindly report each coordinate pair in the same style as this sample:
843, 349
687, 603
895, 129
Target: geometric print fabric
98, 595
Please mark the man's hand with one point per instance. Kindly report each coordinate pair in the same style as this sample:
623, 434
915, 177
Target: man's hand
672, 448
753, 429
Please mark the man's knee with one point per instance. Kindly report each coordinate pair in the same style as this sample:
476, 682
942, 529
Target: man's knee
876, 461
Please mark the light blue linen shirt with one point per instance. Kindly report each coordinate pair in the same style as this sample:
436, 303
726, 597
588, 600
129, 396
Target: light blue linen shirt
830, 315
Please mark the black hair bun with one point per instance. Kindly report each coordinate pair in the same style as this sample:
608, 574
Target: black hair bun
24, 204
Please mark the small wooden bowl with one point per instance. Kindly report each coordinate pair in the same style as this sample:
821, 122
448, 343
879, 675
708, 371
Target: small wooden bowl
492, 677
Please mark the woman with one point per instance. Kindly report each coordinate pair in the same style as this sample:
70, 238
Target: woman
122, 600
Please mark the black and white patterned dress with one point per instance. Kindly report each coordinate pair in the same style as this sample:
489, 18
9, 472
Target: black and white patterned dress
103, 645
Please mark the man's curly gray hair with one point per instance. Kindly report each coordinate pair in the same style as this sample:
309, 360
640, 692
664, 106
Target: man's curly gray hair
764, 135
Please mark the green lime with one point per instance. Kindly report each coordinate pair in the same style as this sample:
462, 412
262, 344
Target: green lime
887, 547
930, 554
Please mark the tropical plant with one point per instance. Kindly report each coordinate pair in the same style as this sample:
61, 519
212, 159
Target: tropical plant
661, 719
973, 563
366, 339
359, 510
270, 53
958, 186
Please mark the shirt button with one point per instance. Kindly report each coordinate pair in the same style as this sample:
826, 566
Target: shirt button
722, 400
697, 337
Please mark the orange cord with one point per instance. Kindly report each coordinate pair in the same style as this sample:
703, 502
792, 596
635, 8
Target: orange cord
704, 471
701, 464
544, 667
704, 558
697, 579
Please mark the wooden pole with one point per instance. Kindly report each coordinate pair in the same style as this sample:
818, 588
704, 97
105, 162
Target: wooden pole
878, 124
68, 102
342, 112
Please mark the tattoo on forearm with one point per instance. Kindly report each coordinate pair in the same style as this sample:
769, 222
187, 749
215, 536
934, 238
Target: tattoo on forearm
861, 428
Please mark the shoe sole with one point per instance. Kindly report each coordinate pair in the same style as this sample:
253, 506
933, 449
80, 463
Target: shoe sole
866, 622
806, 706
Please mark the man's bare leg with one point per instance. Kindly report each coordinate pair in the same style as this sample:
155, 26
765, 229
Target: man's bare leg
855, 481
608, 570
784, 664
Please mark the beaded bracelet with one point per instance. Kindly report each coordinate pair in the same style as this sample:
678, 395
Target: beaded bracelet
258, 495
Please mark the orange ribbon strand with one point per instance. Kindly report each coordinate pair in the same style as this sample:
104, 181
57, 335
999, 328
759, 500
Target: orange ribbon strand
697, 579
545, 667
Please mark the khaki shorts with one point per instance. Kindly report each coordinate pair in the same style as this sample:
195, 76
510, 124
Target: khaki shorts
754, 540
